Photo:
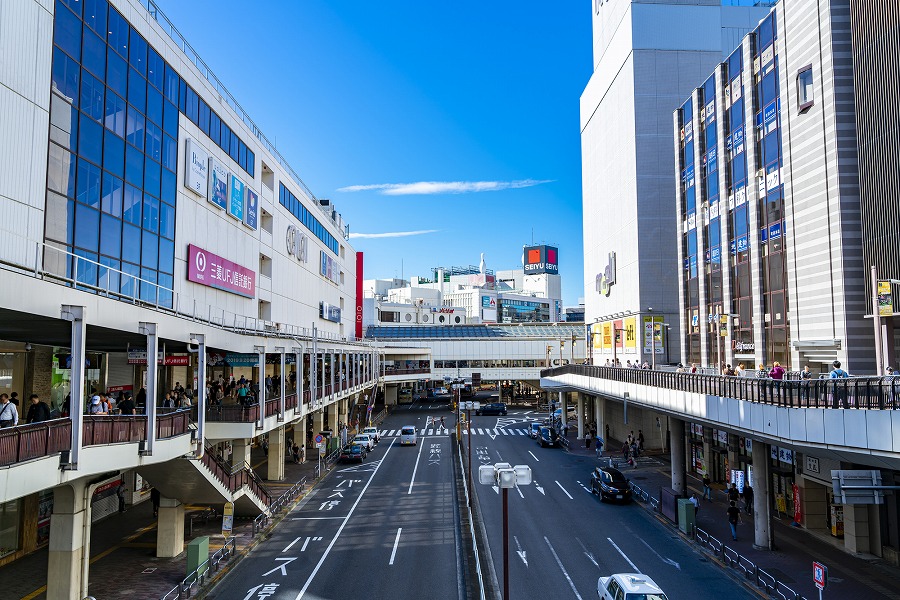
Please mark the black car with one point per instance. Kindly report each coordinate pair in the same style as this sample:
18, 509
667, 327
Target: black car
610, 484
352, 453
547, 436
493, 408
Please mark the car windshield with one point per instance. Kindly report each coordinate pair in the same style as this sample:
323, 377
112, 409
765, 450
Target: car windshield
407, 431
645, 597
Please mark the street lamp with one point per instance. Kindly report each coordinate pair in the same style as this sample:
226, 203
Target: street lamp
722, 319
505, 476
615, 341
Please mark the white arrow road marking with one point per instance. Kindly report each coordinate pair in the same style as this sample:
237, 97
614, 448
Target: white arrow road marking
496, 489
281, 567
665, 560
533, 456
292, 543
588, 554
493, 435
563, 569
583, 487
564, 491
539, 488
520, 552
521, 495
396, 542
619, 550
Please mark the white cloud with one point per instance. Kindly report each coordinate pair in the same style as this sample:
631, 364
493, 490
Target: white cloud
390, 234
443, 187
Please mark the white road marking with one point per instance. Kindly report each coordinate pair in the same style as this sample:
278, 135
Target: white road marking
418, 456
396, 542
282, 567
520, 552
305, 544
521, 495
564, 491
668, 561
292, 543
340, 529
539, 488
588, 554
533, 456
315, 518
493, 435
563, 569
619, 550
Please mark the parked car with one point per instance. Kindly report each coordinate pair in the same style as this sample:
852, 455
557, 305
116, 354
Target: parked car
629, 586
493, 408
366, 440
610, 484
408, 435
547, 436
353, 453
535, 430
372, 431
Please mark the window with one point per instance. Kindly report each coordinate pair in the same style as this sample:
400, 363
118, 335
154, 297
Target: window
804, 89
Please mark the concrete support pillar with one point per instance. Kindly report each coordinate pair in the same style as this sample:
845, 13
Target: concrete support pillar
318, 421
66, 567
333, 418
240, 452
814, 503
678, 457
762, 502
275, 464
170, 528
599, 417
856, 528
707, 455
580, 416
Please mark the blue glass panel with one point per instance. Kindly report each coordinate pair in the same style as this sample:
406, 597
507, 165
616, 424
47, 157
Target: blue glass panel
242, 155
95, 16
111, 199
118, 32
70, 222
132, 205
225, 141
67, 31
233, 149
113, 154
152, 176
167, 256
87, 190
148, 287
204, 117
90, 139
170, 119
66, 75
166, 285
149, 250
154, 106
134, 166
130, 275
74, 6
93, 56
131, 243
169, 186
154, 142
110, 236
215, 127
134, 128
86, 269
156, 69
137, 90
116, 73
171, 85
192, 106
170, 153
167, 221
92, 90
182, 95
151, 214
87, 227
137, 52
109, 279
251, 163
114, 118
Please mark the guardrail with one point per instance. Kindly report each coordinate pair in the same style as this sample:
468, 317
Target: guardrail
264, 518
113, 429
462, 467
197, 578
642, 495
26, 442
873, 393
173, 424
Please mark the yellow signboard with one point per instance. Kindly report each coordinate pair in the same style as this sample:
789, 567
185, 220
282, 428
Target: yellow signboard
630, 334
597, 334
607, 336
227, 519
885, 299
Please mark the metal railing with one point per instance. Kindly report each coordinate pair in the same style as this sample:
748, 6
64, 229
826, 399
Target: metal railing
27, 442
873, 393
390, 371
265, 517
113, 429
173, 424
209, 567
643, 495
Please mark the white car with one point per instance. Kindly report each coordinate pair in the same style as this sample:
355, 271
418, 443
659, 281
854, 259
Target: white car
408, 435
372, 431
628, 586
364, 439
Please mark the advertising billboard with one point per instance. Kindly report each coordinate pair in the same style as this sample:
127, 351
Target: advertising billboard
236, 198
212, 270
541, 259
251, 210
218, 184
196, 168
359, 295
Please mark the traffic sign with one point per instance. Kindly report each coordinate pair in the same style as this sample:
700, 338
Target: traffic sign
820, 575
319, 438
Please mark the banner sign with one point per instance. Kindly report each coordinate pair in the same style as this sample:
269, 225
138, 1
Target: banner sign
212, 270
885, 299
359, 295
218, 184
541, 259
631, 335
196, 168
139, 357
649, 323
330, 268
236, 198
329, 312
251, 210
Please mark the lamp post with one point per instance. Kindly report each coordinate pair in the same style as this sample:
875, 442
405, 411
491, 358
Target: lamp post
615, 341
505, 476
722, 319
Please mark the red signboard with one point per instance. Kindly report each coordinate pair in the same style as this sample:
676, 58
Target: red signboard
798, 510
359, 295
820, 575
119, 388
212, 270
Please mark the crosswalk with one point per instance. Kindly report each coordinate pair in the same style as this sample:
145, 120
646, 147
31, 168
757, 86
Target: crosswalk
446, 431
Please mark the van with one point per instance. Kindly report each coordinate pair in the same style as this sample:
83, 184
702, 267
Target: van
408, 435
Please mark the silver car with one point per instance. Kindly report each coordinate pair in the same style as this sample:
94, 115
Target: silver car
365, 440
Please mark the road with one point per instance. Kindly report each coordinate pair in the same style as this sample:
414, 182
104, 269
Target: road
562, 538
367, 531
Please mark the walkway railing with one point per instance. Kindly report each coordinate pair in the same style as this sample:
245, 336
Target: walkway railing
232, 413
26, 442
113, 429
173, 424
208, 568
389, 371
874, 393
235, 478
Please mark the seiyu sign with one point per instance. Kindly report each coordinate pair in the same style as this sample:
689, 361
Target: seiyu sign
297, 244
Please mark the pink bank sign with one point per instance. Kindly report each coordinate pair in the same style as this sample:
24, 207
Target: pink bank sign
212, 270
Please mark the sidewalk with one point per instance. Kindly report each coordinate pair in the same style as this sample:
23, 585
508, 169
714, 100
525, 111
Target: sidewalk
123, 548
851, 577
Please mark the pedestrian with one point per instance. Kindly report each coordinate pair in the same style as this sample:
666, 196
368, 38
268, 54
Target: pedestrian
734, 517
265, 446
607, 431
126, 406
761, 371
9, 416
777, 371
120, 492
839, 389
154, 500
599, 447
733, 493
587, 439
97, 407
640, 440
748, 498
38, 411
302, 454
696, 504
741, 370
707, 487
295, 453
442, 424
625, 449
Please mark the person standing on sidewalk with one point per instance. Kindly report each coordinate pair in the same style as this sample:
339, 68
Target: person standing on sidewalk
748, 498
707, 489
599, 447
733, 493
696, 504
734, 517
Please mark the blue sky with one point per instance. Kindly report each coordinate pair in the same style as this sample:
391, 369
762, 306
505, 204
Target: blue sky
475, 102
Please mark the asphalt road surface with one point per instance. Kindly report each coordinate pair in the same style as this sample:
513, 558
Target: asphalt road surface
383, 529
562, 538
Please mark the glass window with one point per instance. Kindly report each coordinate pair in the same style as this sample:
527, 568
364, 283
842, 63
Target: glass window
154, 142
134, 128
167, 221
131, 243
111, 199
172, 82
95, 16
110, 236
90, 139
233, 149
170, 153
738, 170
151, 214
116, 73
192, 106
182, 95
134, 166
61, 171
86, 271
741, 225
215, 125
805, 88
166, 284
65, 76
87, 227
167, 256
137, 53
94, 54
130, 275
74, 5
113, 154
118, 32
204, 117
87, 190
169, 186
149, 250
115, 114
225, 139
60, 218
154, 106
771, 147
132, 205
170, 119
152, 177
109, 277
156, 69
242, 155
67, 31
137, 90
251, 163
148, 287
92, 96
769, 87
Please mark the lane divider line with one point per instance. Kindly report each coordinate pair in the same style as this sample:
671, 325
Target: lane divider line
415, 469
563, 569
619, 550
564, 491
396, 543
